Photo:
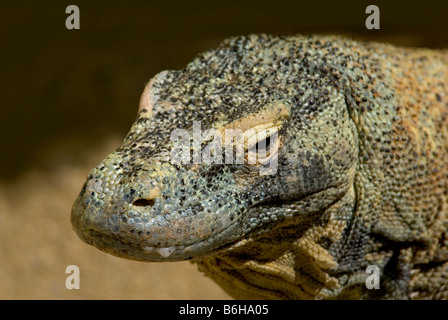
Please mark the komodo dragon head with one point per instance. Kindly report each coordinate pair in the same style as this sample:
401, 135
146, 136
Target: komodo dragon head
250, 135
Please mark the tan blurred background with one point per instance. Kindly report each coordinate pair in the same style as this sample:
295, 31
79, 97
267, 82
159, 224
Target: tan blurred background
69, 97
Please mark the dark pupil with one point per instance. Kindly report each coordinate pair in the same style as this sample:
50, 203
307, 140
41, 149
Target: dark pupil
263, 144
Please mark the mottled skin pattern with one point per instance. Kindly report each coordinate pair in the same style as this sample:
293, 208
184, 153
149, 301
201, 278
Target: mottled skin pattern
362, 173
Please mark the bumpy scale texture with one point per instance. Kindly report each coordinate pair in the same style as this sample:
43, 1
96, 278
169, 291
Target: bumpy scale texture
362, 176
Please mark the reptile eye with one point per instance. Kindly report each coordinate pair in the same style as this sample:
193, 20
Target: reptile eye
264, 148
263, 145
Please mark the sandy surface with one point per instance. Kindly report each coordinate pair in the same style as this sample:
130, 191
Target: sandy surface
37, 243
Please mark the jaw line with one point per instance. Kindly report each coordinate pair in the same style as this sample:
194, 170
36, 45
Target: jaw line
134, 251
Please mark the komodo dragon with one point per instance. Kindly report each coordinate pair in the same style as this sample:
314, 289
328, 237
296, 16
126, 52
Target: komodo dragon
350, 141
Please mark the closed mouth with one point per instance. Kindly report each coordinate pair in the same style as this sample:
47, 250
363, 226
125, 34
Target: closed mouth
116, 246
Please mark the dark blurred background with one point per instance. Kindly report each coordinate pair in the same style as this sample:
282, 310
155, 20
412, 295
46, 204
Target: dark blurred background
59, 85
69, 96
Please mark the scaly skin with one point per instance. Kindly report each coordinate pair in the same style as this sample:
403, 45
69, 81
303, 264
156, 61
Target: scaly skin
361, 178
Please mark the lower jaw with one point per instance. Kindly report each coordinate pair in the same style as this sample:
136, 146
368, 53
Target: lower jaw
114, 246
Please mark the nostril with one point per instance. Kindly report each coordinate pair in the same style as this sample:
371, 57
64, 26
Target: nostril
144, 202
